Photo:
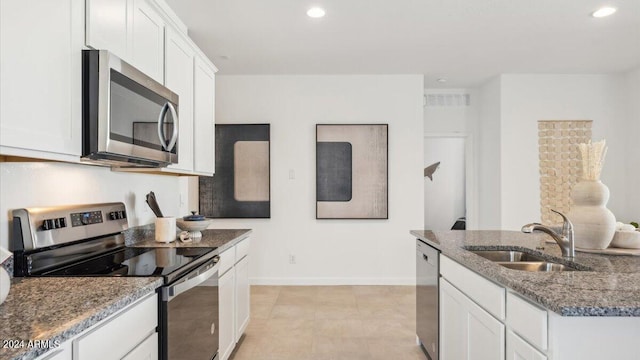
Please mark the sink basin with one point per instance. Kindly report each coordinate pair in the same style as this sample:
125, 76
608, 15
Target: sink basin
543, 266
518, 260
506, 255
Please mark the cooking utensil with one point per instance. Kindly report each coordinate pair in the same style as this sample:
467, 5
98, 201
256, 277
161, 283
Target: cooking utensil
153, 204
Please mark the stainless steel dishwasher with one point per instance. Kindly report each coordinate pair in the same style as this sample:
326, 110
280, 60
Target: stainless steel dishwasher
427, 305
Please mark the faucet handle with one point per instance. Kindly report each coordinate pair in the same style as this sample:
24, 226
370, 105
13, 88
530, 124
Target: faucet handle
567, 226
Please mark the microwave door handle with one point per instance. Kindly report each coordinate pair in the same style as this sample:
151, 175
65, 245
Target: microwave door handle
163, 113
174, 137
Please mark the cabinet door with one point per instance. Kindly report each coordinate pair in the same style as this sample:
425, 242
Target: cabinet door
485, 335
41, 72
453, 330
226, 310
204, 118
147, 40
147, 350
63, 352
108, 26
242, 296
467, 331
518, 349
179, 79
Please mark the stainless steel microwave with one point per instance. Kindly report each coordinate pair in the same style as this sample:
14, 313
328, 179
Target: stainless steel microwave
128, 119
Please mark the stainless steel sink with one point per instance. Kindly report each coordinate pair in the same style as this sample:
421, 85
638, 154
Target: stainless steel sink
507, 255
543, 266
518, 260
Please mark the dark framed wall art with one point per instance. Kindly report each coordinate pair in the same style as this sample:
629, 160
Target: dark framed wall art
352, 171
240, 187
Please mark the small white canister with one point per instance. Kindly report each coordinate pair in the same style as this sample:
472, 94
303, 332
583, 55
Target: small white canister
165, 229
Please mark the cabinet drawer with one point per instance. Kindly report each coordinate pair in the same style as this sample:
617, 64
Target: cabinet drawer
119, 336
148, 350
527, 320
242, 249
518, 349
227, 259
485, 293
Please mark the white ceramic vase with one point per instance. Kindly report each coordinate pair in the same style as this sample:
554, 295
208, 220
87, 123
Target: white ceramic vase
594, 225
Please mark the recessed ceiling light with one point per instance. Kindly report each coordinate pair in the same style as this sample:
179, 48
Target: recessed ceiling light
604, 11
442, 80
316, 12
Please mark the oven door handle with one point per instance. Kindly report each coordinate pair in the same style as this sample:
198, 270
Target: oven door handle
189, 284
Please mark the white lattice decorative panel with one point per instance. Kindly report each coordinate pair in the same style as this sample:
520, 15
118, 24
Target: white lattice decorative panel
560, 166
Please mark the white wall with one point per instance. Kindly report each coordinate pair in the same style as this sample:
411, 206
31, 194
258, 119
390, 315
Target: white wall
450, 119
632, 130
329, 251
489, 156
50, 184
525, 99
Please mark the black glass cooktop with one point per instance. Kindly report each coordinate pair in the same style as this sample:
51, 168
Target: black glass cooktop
135, 262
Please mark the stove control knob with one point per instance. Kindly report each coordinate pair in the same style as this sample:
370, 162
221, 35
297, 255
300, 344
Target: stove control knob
48, 224
113, 215
85, 219
122, 214
63, 222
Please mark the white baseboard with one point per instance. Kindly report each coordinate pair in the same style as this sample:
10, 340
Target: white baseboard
333, 281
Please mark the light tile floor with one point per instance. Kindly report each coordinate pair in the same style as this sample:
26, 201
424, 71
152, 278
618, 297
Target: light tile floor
330, 323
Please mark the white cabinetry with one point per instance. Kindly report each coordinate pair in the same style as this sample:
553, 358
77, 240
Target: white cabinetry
226, 308
518, 349
130, 29
467, 331
179, 78
63, 352
473, 324
204, 117
129, 334
118, 336
40, 72
234, 296
147, 40
109, 24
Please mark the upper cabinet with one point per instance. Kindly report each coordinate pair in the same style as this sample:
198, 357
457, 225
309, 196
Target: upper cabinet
147, 40
109, 24
130, 29
204, 115
41, 87
41, 78
179, 78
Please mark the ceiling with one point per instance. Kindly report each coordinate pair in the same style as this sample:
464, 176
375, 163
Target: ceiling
464, 41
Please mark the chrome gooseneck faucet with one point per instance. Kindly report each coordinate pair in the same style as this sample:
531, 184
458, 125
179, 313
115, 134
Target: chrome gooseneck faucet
565, 239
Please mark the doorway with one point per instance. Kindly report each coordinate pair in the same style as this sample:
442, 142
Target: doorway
445, 180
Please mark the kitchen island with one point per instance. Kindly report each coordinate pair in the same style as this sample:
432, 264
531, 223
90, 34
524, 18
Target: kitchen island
42, 313
592, 312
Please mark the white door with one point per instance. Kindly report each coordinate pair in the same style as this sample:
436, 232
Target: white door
242, 296
147, 41
518, 349
204, 118
445, 189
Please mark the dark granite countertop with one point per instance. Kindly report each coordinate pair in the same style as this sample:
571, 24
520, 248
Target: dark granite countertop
220, 238
59, 308
608, 285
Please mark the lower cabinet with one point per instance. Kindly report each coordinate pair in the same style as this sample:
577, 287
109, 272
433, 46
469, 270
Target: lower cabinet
127, 335
467, 331
518, 349
473, 325
226, 308
234, 296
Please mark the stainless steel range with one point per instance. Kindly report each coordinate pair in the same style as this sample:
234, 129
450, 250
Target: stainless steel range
88, 240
